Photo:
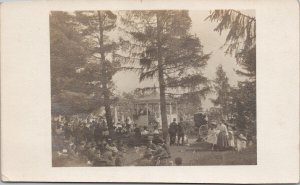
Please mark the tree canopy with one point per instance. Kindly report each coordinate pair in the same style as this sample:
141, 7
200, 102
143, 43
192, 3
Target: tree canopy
165, 50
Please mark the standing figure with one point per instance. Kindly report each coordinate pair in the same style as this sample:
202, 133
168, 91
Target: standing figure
97, 133
180, 132
222, 141
231, 139
212, 135
173, 131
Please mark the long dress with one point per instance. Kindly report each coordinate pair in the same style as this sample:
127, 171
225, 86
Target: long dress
212, 136
222, 141
231, 139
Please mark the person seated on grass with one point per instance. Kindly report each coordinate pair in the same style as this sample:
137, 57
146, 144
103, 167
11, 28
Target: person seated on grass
147, 159
72, 151
157, 139
120, 146
161, 155
106, 158
112, 147
97, 158
155, 131
151, 146
118, 161
145, 131
241, 142
91, 153
178, 161
81, 149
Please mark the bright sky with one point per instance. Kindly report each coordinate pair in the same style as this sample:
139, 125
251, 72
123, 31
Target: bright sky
211, 40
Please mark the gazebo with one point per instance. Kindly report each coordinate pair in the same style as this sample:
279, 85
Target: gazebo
147, 110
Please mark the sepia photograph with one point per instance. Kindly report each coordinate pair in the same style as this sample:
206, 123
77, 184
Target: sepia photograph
153, 87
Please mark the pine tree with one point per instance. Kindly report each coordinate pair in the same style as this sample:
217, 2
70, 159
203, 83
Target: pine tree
222, 89
165, 50
241, 43
241, 38
69, 91
95, 27
67, 52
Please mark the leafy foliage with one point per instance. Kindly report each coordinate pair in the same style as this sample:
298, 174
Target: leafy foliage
241, 41
160, 44
94, 26
81, 72
70, 93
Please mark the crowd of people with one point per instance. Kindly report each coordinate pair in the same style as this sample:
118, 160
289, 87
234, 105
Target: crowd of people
222, 137
90, 143
94, 144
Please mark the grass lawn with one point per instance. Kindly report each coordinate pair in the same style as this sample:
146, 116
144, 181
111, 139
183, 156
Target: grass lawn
197, 154
200, 154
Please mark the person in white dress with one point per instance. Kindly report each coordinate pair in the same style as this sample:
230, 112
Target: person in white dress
212, 135
241, 142
231, 139
222, 141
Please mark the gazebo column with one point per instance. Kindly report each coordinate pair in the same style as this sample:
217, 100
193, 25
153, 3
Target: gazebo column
116, 115
147, 108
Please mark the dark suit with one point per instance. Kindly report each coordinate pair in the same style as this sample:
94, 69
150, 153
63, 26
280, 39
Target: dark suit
180, 133
172, 132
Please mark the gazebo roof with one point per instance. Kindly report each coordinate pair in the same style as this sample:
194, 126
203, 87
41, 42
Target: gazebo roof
152, 99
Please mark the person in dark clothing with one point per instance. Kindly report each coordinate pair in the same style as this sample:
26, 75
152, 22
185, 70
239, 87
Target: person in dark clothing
97, 133
137, 136
178, 161
180, 132
67, 131
173, 131
161, 155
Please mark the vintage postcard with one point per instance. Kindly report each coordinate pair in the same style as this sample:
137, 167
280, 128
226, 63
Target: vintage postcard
141, 88
126, 89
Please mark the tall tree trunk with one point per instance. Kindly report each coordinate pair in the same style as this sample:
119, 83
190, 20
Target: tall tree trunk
161, 80
104, 74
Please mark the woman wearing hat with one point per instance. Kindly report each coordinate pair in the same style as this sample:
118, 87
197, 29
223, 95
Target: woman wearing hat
222, 141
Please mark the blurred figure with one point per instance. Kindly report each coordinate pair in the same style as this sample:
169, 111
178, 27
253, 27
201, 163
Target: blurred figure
241, 142
180, 132
212, 135
222, 141
178, 161
173, 131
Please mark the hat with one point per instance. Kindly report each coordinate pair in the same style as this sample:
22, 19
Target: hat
213, 123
